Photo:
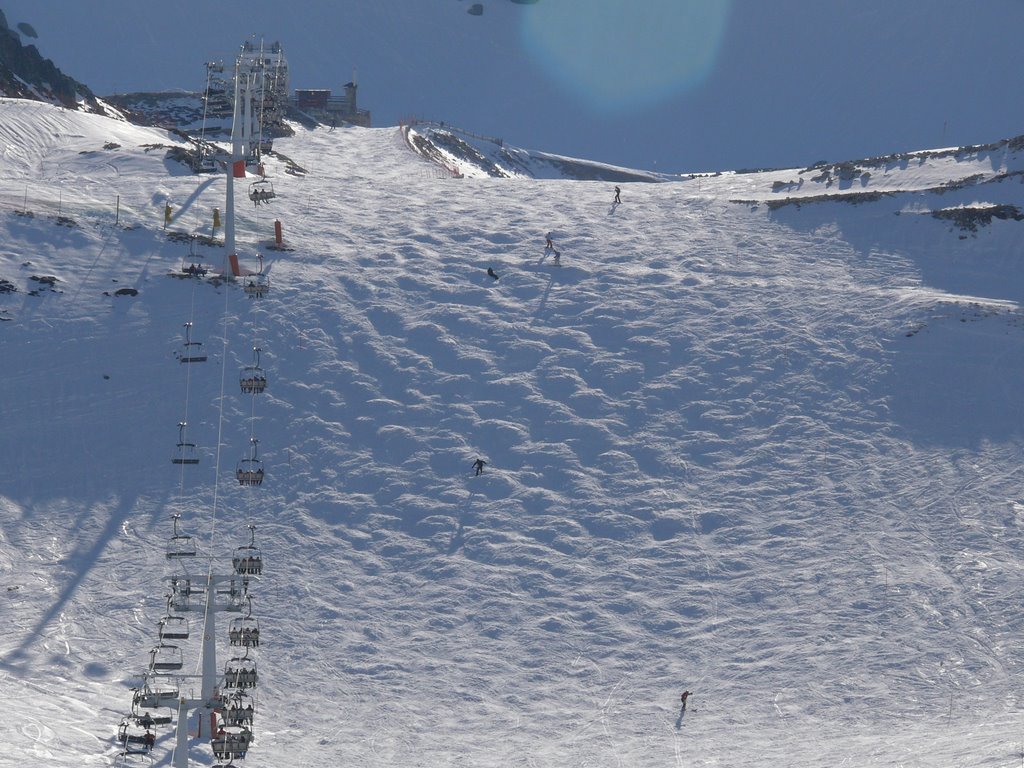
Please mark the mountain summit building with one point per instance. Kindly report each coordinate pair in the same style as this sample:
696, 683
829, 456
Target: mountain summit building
321, 105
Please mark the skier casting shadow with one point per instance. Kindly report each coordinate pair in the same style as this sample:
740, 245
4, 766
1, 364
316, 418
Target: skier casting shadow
682, 710
616, 202
549, 248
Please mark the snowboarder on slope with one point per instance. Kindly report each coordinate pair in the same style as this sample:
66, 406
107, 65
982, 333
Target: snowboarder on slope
478, 465
617, 191
684, 697
492, 273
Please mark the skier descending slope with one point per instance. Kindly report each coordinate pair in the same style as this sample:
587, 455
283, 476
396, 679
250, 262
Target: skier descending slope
549, 247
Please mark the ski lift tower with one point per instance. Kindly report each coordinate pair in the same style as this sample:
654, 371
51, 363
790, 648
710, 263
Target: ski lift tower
236, 169
224, 594
247, 138
248, 71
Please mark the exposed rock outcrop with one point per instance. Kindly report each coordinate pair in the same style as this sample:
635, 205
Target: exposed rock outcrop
25, 74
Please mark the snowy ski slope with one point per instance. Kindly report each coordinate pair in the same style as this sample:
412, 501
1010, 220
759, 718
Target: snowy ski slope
764, 451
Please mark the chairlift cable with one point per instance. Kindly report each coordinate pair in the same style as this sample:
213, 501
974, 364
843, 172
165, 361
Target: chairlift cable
202, 132
188, 387
263, 101
217, 457
252, 429
220, 427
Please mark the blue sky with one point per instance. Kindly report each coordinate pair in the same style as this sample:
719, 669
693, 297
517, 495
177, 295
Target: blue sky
667, 85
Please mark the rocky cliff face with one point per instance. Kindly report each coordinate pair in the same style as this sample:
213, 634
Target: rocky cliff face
25, 74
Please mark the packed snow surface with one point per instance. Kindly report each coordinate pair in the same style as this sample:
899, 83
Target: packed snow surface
754, 435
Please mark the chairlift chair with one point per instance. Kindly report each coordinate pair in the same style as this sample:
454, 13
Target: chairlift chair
184, 451
245, 630
234, 596
256, 286
191, 351
238, 710
155, 696
261, 191
248, 560
240, 673
231, 744
194, 268
172, 627
235, 589
149, 721
205, 162
179, 602
250, 470
127, 759
165, 658
181, 593
252, 378
184, 587
180, 544
134, 736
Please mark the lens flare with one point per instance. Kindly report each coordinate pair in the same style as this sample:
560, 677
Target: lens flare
618, 55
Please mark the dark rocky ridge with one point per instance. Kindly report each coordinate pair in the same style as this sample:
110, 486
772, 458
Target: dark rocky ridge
25, 74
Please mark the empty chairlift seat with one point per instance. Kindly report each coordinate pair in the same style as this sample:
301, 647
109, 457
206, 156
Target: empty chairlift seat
133, 759
184, 451
182, 592
180, 544
165, 658
172, 627
191, 351
153, 696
